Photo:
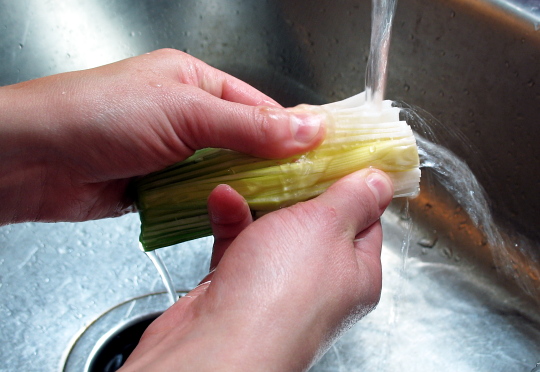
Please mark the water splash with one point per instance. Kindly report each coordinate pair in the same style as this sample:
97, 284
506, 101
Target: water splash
509, 250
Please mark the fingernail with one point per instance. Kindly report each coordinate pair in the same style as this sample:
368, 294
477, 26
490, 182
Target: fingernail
305, 127
381, 188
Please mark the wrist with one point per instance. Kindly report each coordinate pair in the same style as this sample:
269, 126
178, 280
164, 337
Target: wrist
23, 154
189, 337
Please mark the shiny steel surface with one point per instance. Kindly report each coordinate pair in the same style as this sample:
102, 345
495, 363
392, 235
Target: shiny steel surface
92, 339
474, 65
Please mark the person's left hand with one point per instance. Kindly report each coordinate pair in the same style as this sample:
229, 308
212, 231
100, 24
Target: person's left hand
71, 143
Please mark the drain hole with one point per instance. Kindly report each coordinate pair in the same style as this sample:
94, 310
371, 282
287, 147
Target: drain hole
114, 351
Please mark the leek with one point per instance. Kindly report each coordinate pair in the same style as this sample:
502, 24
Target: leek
172, 202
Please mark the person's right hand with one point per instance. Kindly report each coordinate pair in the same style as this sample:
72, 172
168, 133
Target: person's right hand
284, 287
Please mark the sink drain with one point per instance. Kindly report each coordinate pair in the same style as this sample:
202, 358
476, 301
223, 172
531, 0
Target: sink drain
107, 342
116, 348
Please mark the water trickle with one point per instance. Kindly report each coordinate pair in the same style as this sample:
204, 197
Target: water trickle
406, 243
164, 273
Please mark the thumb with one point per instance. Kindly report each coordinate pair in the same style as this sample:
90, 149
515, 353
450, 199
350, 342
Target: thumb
360, 199
270, 132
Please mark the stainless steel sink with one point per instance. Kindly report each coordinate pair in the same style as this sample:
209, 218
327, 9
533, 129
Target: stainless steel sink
446, 304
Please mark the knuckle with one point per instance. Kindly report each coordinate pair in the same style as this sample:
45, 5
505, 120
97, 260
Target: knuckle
363, 204
300, 217
367, 208
261, 120
319, 218
269, 127
170, 53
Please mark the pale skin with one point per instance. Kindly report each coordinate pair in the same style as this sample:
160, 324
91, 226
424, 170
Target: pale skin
281, 288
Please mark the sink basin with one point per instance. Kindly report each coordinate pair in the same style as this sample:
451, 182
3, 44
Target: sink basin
449, 301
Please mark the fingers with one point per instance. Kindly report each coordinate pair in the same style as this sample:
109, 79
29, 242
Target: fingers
229, 215
187, 69
222, 111
270, 132
229, 88
359, 199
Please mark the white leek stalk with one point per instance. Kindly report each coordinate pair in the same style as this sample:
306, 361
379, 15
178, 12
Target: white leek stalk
172, 202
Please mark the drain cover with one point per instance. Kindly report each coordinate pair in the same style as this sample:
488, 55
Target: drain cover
114, 350
106, 343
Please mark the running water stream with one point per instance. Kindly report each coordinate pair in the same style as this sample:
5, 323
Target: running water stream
449, 170
382, 17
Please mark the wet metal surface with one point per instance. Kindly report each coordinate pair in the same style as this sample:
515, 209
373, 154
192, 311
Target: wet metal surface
474, 65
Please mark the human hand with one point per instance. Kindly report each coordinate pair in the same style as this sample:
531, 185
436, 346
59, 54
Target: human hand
284, 287
71, 143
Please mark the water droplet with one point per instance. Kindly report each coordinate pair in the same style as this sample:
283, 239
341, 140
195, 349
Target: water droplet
404, 214
428, 242
21, 46
447, 252
372, 149
155, 84
406, 87
531, 83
